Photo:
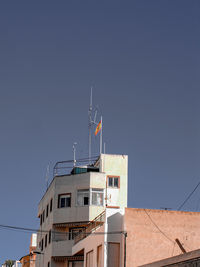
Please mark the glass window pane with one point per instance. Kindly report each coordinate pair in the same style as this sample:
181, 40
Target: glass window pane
49, 236
97, 197
79, 200
51, 202
100, 199
110, 181
47, 210
43, 216
68, 201
62, 202
94, 198
83, 197
116, 182
86, 201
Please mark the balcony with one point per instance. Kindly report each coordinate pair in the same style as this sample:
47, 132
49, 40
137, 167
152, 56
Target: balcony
92, 226
61, 244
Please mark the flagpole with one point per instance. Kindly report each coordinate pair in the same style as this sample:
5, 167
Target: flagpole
101, 136
90, 126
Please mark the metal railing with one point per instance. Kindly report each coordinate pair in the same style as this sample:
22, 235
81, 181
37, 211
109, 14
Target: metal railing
63, 236
65, 167
98, 221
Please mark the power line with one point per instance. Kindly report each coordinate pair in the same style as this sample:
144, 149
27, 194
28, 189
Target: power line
188, 197
24, 229
15, 230
9, 227
158, 227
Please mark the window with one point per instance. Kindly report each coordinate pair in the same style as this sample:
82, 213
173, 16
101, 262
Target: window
43, 216
47, 211
83, 197
51, 204
48, 265
42, 244
113, 181
91, 196
75, 231
97, 197
40, 219
49, 236
45, 240
64, 200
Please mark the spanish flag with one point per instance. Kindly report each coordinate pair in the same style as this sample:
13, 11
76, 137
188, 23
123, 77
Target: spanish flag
98, 129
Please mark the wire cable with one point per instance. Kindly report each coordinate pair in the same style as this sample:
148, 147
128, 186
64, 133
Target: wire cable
23, 229
9, 227
188, 197
158, 227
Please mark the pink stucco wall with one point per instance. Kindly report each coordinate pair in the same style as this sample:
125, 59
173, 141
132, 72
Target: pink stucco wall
152, 234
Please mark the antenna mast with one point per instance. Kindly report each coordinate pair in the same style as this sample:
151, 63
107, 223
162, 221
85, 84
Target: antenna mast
101, 136
90, 126
74, 150
47, 175
92, 122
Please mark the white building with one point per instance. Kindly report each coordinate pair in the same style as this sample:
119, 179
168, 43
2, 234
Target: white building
16, 264
84, 220
71, 204
103, 244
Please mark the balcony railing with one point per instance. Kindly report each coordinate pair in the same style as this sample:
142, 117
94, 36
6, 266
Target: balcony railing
93, 225
65, 236
66, 167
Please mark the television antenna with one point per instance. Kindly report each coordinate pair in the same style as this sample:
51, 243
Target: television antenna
91, 122
74, 150
47, 175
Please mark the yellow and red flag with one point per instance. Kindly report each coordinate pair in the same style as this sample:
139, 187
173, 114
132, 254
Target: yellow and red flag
98, 129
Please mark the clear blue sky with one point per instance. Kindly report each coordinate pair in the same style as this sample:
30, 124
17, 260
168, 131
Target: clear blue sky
143, 60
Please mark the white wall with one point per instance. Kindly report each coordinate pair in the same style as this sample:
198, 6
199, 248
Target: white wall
116, 165
115, 224
61, 185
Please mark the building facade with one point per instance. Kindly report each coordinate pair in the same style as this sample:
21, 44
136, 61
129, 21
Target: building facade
102, 244
130, 237
73, 202
15, 264
85, 222
154, 235
30, 259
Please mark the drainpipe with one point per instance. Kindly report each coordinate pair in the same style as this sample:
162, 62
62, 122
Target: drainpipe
105, 241
125, 236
